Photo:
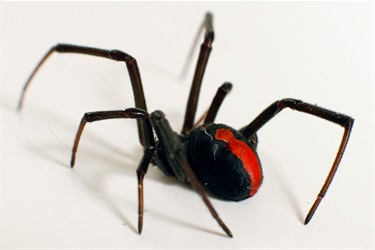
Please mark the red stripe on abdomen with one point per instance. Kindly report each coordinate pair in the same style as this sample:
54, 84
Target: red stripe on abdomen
243, 152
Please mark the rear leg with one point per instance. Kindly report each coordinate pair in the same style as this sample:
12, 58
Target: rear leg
200, 69
210, 115
343, 120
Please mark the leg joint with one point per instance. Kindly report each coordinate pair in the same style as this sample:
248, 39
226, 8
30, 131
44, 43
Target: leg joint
118, 55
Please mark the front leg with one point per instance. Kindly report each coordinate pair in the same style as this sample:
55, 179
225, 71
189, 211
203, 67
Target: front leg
132, 113
116, 55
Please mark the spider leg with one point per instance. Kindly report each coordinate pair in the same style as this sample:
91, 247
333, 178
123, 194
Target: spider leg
175, 153
116, 55
217, 101
141, 172
210, 115
149, 150
189, 58
198, 75
343, 120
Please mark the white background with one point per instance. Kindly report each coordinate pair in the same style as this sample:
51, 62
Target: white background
319, 52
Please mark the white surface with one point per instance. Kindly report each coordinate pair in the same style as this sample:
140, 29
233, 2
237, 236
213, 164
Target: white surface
319, 52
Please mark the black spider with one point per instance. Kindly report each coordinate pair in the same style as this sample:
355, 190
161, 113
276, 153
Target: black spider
216, 156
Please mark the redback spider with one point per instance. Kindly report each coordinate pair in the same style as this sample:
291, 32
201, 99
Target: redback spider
205, 154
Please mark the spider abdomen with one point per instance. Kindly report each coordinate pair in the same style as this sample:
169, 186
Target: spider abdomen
224, 162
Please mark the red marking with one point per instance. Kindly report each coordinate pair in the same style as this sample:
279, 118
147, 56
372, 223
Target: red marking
246, 155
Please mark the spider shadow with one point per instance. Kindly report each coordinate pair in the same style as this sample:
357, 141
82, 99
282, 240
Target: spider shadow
113, 165
282, 183
48, 151
96, 186
186, 223
173, 183
40, 112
